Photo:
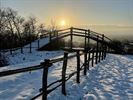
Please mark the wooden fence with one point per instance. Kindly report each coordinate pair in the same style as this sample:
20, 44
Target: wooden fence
91, 55
27, 46
21, 49
70, 32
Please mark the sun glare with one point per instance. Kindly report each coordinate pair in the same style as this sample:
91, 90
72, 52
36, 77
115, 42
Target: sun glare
63, 23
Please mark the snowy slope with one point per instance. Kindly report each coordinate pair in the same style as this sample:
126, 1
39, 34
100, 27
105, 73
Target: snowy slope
17, 57
112, 79
34, 45
42, 42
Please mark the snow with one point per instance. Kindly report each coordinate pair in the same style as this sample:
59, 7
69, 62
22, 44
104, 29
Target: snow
35, 57
34, 45
42, 41
109, 80
112, 79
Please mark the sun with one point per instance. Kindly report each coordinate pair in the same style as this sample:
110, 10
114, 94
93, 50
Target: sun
63, 23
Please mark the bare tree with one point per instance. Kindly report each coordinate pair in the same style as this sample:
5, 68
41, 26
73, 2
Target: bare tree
2, 21
15, 21
13, 25
7, 25
29, 28
15, 29
41, 31
53, 25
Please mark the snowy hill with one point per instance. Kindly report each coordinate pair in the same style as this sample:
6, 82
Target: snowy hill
111, 79
26, 49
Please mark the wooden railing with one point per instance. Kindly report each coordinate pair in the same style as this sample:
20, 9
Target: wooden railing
88, 35
70, 32
89, 56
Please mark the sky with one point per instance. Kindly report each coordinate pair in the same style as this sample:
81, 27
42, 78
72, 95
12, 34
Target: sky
91, 13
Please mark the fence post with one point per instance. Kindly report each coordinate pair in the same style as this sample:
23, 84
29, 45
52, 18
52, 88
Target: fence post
78, 67
46, 64
92, 62
50, 36
85, 63
89, 49
99, 55
38, 43
88, 37
21, 44
30, 47
64, 73
57, 36
105, 51
97, 50
102, 46
88, 60
21, 49
11, 51
1, 46
85, 40
71, 36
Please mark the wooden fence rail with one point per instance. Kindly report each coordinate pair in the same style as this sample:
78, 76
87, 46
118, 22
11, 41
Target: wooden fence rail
44, 91
91, 56
59, 34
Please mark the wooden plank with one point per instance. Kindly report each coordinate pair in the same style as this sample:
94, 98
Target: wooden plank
63, 33
63, 30
91, 37
21, 70
83, 33
79, 29
60, 37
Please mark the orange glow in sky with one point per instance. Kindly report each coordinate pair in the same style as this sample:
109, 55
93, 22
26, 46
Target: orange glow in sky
76, 12
63, 23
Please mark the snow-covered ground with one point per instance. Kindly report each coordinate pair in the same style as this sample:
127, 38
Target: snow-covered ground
112, 79
34, 45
